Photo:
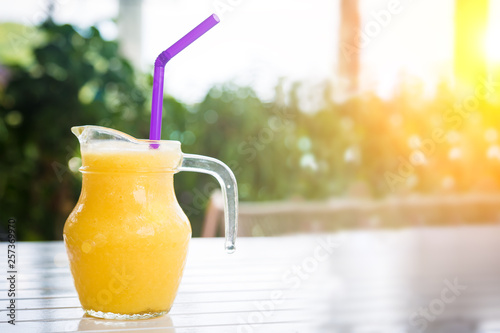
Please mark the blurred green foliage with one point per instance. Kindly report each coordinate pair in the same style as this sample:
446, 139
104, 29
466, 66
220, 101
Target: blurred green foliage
363, 146
73, 79
17, 42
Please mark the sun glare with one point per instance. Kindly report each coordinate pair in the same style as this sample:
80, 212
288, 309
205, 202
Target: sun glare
492, 46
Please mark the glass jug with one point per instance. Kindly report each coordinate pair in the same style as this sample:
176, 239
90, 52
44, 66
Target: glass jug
127, 237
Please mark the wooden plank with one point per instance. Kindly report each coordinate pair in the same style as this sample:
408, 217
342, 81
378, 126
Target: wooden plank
179, 305
167, 321
183, 298
66, 286
229, 309
77, 326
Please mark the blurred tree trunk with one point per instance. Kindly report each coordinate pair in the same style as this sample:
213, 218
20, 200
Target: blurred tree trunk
130, 30
349, 46
471, 20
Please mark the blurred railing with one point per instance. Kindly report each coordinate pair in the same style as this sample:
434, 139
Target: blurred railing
286, 217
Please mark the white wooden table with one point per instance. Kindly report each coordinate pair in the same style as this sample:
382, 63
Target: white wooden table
435, 280
241, 292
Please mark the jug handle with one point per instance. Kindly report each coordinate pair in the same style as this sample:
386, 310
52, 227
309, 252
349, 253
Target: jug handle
227, 181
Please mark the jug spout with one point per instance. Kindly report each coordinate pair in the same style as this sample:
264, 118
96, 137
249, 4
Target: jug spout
78, 130
90, 133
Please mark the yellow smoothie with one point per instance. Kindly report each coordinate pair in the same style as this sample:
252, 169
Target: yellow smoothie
127, 237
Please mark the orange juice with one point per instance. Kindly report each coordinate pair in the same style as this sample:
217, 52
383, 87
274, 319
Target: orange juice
127, 237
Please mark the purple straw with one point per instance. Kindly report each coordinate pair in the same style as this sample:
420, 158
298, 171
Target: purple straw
161, 61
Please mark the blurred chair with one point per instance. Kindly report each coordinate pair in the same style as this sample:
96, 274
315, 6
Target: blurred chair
288, 217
